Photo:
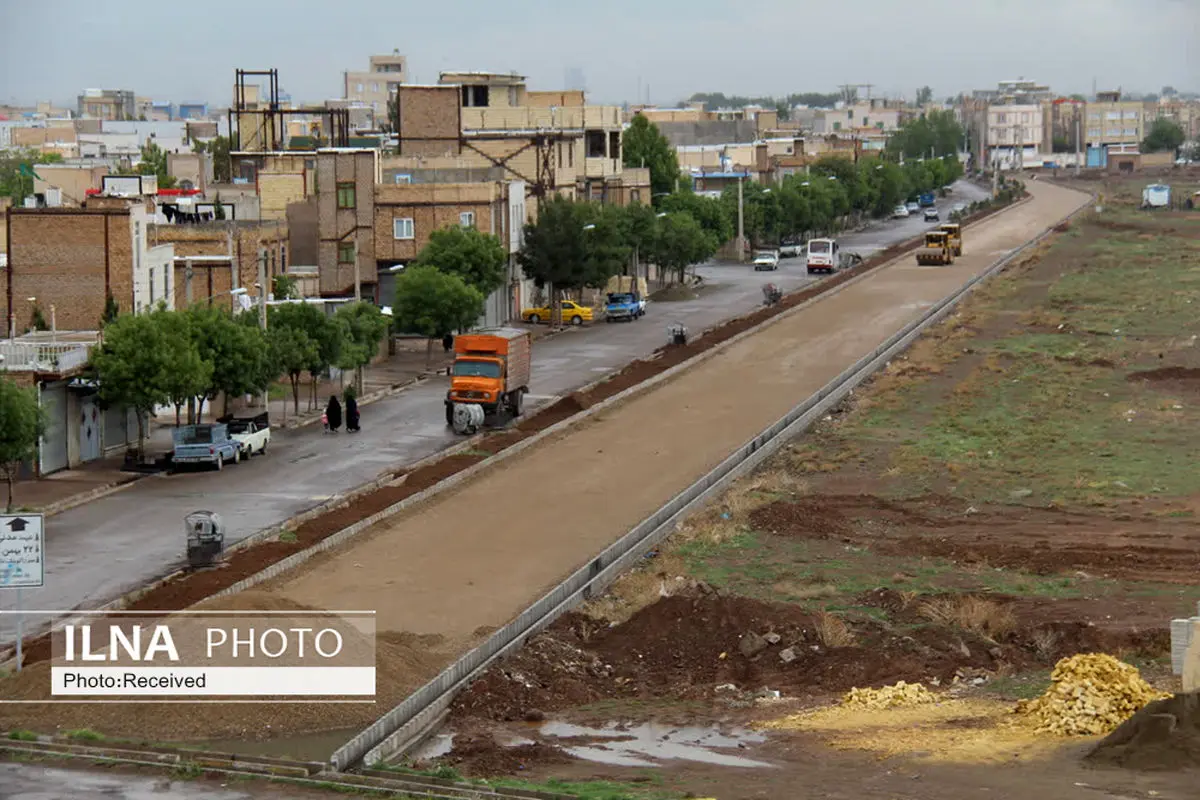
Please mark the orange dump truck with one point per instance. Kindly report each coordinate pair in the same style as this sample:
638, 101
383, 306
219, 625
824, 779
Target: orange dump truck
491, 369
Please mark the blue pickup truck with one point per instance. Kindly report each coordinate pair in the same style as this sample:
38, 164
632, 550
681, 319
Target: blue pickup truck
926, 200
204, 444
624, 306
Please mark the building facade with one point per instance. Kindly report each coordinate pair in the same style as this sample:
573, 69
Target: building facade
112, 104
373, 87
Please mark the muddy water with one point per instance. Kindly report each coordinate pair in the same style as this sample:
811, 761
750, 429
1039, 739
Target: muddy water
306, 747
648, 744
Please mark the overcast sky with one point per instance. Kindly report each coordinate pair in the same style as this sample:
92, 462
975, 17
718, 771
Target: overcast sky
187, 51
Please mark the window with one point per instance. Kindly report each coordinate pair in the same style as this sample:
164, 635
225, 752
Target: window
1131, 115
166, 282
345, 252
1094, 133
467, 219
1094, 116
1131, 132
1114, 131
401, 177
837, 126
1113, 115
345, 195
1001, 119
360, 88
635, 196
402, 228
866, 122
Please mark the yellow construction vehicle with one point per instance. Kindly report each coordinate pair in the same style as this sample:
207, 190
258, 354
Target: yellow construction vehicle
955, 232
937, 249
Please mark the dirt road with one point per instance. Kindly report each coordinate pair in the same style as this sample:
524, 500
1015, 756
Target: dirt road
470, 560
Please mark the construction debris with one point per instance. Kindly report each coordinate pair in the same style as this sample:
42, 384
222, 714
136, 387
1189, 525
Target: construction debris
1090, 695
900, 694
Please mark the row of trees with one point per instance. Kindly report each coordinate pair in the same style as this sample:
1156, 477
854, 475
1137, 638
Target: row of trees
190, 357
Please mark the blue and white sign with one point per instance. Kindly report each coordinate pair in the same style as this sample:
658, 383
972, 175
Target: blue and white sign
22, 549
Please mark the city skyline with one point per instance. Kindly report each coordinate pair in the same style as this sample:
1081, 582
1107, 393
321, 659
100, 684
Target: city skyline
666, 53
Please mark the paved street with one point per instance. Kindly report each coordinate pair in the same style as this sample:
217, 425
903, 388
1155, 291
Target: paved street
38, 782
97, 551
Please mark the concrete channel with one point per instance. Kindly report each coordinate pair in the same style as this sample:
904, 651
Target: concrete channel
406, 725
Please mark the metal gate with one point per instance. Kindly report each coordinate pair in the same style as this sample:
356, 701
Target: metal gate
91, 424
54, 440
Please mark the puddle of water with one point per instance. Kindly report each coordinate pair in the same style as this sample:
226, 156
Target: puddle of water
310, 747
636, 745
436, 747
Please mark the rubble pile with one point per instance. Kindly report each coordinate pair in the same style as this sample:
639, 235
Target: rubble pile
1090, 694
895, 696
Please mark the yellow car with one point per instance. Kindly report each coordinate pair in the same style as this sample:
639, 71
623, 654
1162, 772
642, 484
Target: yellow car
572, 312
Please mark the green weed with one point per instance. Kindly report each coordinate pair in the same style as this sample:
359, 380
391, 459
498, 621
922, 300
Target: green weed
23, 736
85, 735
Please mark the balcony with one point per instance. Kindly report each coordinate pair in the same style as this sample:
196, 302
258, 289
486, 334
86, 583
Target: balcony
533, 118
601, 167
33, 354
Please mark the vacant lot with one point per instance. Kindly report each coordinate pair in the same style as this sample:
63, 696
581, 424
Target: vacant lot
1020, 487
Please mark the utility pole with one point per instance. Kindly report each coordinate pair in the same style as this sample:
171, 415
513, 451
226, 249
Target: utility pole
262, 318
357, 275
741, 239
1079, 138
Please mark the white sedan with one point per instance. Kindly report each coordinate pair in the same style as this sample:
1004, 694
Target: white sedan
900, 212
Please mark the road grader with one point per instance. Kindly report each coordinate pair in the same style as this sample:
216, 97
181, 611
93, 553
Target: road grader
938, 250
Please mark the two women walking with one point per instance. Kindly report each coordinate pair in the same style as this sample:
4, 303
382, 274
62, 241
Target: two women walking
332, 418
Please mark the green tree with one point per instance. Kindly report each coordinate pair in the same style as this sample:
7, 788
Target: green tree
937, 134
283, 287
477, 258
364, 326
137, 365
290, 351
154, 162
326, 336
23, 426
235, 352
218, 147
17, 170
643, 145
607, 238
924, 96
557, 253
191, 373
111, 311
432, 303
641, 231
1164, 134
708, 211
681, 243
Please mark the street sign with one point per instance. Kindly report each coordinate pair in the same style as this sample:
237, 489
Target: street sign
22, 549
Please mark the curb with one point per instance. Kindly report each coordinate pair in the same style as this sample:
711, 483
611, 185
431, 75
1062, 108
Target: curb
75, 500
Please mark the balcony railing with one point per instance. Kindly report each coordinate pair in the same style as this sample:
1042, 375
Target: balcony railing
54, 357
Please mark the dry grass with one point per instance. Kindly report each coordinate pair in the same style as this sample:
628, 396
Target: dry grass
1045, 642
804, 591
637, 589
833, 631
979, 615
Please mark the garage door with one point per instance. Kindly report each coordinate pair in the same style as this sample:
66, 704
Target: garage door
54, 442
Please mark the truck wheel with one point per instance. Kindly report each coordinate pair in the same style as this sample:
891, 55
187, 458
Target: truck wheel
262, 451
517, 403
237, 455
576, 320
534, 319
449, 414
220, 462
608, 319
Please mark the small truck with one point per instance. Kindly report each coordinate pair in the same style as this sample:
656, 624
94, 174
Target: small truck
936, 250
491, 369
252, 434
204, 444
625, 306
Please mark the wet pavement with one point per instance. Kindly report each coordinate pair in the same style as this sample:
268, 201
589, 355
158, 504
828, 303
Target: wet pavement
36, 782
98, 551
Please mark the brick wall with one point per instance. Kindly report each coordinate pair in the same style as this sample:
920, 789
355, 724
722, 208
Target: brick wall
432, 207
428, 111
59, 257
337, 226
277, 190
245, 240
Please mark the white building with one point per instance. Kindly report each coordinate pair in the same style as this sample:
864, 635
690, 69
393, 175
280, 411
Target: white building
1014, 135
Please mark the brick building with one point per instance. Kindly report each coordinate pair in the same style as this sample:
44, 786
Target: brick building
70, 260
221, 257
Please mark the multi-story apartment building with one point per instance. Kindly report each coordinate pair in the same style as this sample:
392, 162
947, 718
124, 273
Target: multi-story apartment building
1015, 134
876, 114
373, 87
114, 104
1113, 121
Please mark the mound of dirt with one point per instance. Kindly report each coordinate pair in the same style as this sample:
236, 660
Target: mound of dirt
1090, 694
479, 755
684, 646
1163, 735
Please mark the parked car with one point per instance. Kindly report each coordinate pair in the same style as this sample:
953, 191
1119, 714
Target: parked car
204, 444
572, 312
791, 250
624, 306
252, 434
959, 208
931, 215
766, 260
913, 207
900, 212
